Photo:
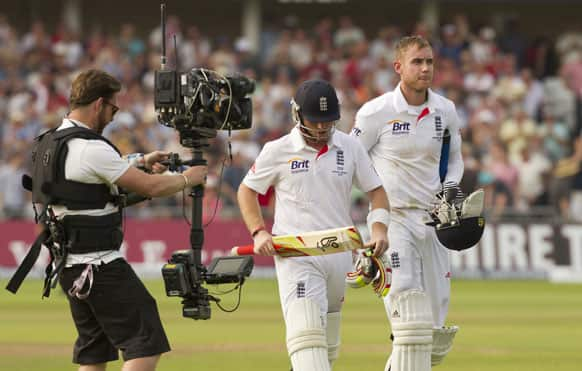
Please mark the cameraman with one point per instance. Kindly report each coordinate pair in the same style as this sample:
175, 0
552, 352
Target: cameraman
111, 307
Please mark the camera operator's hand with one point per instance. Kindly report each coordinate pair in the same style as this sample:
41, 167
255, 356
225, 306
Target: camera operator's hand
196, 175
264, 244
152, 161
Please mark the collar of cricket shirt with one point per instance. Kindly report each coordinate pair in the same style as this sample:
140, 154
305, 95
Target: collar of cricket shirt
401, 105
299, 143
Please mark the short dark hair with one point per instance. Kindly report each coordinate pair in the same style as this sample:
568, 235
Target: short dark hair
91, 85
408, 41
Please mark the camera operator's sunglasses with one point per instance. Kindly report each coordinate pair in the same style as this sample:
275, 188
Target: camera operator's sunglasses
114, 108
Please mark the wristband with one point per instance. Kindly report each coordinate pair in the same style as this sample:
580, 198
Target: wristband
136, 159
257, 230
378, 216
186, 180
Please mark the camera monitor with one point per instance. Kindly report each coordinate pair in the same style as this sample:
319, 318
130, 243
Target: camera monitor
229, 269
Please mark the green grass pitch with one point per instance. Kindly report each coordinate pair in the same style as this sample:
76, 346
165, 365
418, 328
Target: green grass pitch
505, 326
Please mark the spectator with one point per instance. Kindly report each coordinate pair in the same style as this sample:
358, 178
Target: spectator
447, 75
497, 164
129, 43
347, 34
498, 197
510, 88
513, 41
556, 137
572, 207
452, 44
542, 58
484, 49
534, 168
233, 176
534, 95
516, 132
12, 196
478, 81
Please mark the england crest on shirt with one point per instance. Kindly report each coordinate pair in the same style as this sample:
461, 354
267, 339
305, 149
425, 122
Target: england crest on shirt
339, 161
438, 128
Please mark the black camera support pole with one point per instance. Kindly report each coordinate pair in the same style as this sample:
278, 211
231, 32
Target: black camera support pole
197, 305
196, 230
197, 194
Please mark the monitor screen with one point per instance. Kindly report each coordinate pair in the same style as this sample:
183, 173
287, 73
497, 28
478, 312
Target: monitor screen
228, 266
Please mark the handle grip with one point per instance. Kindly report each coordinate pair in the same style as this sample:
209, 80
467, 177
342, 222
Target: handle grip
247, 250
242, 250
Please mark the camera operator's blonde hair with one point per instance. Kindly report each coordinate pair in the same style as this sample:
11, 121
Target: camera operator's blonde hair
407, 42
91, 85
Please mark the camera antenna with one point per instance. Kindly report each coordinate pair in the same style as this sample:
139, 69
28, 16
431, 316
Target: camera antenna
176, 53
163, 21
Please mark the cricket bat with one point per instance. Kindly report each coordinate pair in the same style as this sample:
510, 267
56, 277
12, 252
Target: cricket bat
329, 241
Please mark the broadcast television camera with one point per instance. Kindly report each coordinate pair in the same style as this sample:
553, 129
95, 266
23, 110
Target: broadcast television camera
197, 104
201, 101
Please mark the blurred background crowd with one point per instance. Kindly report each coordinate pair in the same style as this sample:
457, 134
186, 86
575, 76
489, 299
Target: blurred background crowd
518, 97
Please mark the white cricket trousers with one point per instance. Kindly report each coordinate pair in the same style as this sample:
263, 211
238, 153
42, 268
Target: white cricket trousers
320, 278
418, 261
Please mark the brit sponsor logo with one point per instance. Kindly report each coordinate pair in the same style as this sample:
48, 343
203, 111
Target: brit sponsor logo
298, 165
399, 127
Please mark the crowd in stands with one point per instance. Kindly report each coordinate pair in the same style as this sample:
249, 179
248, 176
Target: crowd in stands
518, 98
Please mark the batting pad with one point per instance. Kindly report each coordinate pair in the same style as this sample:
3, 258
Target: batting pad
306, 339
442, 342
333, 336
411, 319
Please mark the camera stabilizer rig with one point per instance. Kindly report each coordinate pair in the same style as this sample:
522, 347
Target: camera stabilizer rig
185, 274
197, 104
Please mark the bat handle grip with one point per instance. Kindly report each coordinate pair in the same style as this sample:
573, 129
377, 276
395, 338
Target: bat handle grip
246, 250
242, 250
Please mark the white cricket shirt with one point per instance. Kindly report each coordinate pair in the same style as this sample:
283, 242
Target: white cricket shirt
312, 189
404, 143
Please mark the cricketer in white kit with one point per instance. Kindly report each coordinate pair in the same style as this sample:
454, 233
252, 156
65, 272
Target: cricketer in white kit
403, 131
312, 170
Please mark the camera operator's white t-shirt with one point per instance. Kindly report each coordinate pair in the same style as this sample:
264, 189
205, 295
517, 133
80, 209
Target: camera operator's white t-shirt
94, 162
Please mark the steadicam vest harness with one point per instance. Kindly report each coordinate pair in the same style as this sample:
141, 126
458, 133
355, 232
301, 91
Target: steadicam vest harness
73, 233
